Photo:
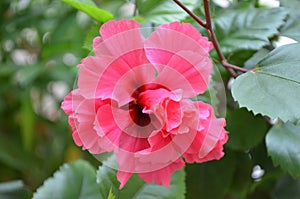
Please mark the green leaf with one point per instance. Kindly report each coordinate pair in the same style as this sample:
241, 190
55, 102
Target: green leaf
27, 121
284, 148
292, 26
245, 130
73, 180
247, 29
90, 8
252, 62
287, 187
209, 180
163, 11
14, 190
274, 88
137, 188
111, 195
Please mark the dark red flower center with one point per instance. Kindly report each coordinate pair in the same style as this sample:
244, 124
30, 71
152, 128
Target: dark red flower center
136, 110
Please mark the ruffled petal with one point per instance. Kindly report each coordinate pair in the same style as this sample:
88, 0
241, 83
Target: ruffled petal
123, 177
182, 64
91, 69
188, 30
160, 46
163, 175
119, 37
209, 140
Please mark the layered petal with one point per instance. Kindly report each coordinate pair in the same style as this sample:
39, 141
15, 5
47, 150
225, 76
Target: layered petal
191, 32
209, 140
133, 99
163, 175
118, 38
186, 59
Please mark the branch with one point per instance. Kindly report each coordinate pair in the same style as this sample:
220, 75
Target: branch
196, 18
135, 12
208, 26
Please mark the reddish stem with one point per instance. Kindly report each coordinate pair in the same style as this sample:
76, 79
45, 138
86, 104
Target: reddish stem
208, 26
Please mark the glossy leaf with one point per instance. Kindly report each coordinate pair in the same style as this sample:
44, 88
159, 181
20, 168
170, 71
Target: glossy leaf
163, 11
245, 130
283, 147
274, 88
137, 188
247, 29
90, 8
73, 180
292, 26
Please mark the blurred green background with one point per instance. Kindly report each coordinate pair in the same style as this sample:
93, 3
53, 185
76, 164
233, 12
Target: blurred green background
40, 45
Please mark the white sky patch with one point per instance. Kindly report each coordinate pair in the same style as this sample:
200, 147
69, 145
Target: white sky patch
269, 3
282, 40
223, 3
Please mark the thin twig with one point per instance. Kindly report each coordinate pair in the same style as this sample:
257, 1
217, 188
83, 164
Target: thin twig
214, 39
196, 18
208, 26
135, 12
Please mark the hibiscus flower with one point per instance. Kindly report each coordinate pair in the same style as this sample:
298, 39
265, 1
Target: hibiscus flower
134, 99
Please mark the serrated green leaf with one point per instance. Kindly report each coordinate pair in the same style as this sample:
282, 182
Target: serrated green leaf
247, 29
136, 188
245, 130
274, 88
163, 11
90, 8
73, 180
283, 146
292, 26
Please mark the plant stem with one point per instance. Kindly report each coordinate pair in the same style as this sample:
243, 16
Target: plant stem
135, 12
208, 26
196, 18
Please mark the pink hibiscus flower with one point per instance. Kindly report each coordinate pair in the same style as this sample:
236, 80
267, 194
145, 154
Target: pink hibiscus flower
133, 99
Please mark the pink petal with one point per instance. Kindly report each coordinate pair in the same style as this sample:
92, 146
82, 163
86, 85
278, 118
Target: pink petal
209, 140
71, 101
188, 30
129, 82
150, 98
214, 133
114, 27
188, 71
160, 46
91, 70
123, 177
107, 125
119, 37
124, 75
97, 41
86, 115
162, 176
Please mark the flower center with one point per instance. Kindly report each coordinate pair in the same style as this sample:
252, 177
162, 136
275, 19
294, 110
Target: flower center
137, 115
136, 110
